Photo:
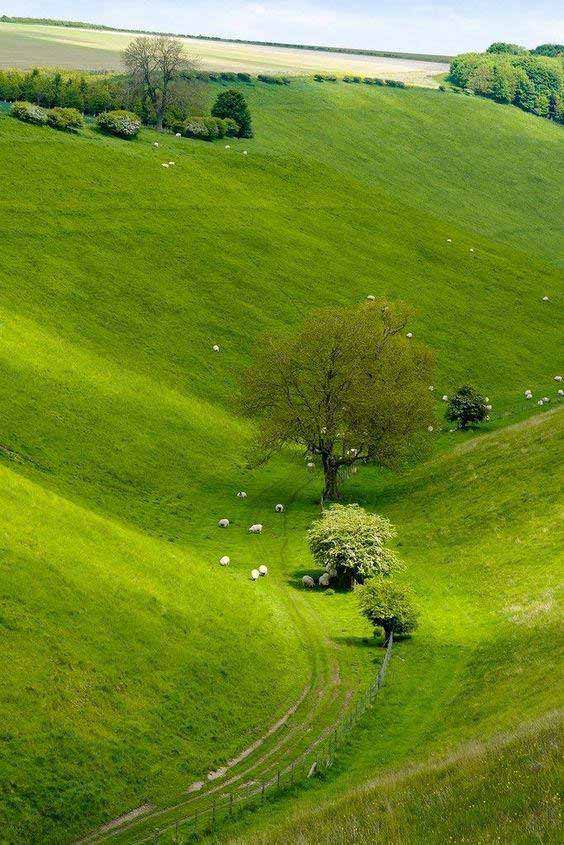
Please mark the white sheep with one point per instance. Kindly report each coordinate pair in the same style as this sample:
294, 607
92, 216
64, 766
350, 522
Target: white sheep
228, 146
256, 528
431, 387
557, 378
165, 164
255, 574
215, 347
223, 523
310, 465
178, 135
245, 153
308, 581
171, 164
545, 299
430, 429
155, 144
471, 249
279, 508
561, 392
545, 399
449, 240
489, 407
540, 402
371, 297
324, 580
323, 430
263, 569
409, 334
225, 561
445, 398
241, 494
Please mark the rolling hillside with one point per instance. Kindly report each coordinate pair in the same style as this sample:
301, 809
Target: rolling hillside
137, 664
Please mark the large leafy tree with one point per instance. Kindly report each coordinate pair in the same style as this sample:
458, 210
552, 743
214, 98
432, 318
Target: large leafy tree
155, 64
467, 407
348, 385
389, 606
232, 104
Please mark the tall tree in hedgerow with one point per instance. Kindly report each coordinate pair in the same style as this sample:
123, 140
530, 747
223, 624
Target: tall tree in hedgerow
388, 605
348, 385
231, 103
467, 408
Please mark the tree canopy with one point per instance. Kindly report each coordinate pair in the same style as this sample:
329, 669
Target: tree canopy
232, 104
388, 605
348, 385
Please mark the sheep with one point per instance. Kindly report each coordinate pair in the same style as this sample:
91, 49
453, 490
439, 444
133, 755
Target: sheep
165, 164
430, 428
540, 402
371, 297
471, 249
155, 144
449, 240
228, 146
445, 398
308, 581
279, 508
528, 395
171, 164
545, 299
215, 347
256, 528
324, 580
241, 494
489, 407
431, 387
409, 334
223, 523
561, 392
178, 135
323, 430
263, 569
310, 465
225, 561
255, 574
557, 378
545, 399
245, 153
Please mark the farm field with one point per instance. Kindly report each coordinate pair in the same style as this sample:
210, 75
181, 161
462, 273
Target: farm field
27, 45
137, 663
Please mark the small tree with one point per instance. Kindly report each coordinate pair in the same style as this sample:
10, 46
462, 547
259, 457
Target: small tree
349, 386
466, 408
231, 103
389, 606
154, 65
349, 544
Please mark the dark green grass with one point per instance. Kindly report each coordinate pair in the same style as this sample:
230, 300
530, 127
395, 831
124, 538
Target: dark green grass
136, 663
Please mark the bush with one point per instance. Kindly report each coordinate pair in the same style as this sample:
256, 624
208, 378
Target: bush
122, 124
244, 77
379, 81
548, 50
389, 606
231, 127
349, 544
29, 113
273, 80
228, 76
395, 83
466, 408
68, 120
196, 127
232, 104
504, 47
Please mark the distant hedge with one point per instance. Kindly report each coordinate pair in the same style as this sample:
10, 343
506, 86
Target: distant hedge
67, 120
209, 128
534, 83
122, 124
30, 113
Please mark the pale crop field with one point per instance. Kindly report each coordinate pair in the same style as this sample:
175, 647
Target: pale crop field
25, 45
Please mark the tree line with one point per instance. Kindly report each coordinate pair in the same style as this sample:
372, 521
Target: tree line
532, 81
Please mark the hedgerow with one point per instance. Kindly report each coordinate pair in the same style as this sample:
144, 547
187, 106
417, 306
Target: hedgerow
122, 124
30, 113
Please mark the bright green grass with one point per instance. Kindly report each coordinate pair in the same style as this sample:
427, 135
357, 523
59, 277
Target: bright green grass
134, 657
506, 790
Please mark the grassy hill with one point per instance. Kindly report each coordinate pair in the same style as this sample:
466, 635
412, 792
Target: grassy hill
137, 663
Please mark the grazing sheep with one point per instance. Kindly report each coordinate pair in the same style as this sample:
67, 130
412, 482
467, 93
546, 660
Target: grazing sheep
171, 164
279, 508
545, 399
310, 465
256, 529
557, 378
409, 334
245, 153
545, 299
223, 523
225, 561
489, 407
165, 164
430, 428
431, 387
471, 249
178, 135
308, 581
228, 146
255, 574
371, 297
323, 430
445, 398
241, 494
324, 580
215, 347
561, 392
528, 395
540, 402
263, 569
155, 144
449, 240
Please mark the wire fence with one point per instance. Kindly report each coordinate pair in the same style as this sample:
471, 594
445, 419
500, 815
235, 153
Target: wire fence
318, 758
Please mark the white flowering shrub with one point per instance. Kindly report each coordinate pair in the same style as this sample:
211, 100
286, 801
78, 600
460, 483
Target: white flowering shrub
350, 544
122, 124
29, 113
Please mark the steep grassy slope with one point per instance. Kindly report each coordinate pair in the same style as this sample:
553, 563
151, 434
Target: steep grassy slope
122, 444
504, 790
481, 533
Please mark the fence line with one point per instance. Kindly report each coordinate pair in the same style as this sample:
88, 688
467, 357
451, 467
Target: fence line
317, 759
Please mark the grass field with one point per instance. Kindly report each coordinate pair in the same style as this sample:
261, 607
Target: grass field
29, 45
137, 664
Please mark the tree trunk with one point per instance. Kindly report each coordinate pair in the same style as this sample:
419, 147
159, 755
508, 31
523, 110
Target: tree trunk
331, 473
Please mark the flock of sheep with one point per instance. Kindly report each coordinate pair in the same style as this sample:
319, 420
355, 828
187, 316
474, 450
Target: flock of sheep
256, 528
168, 164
